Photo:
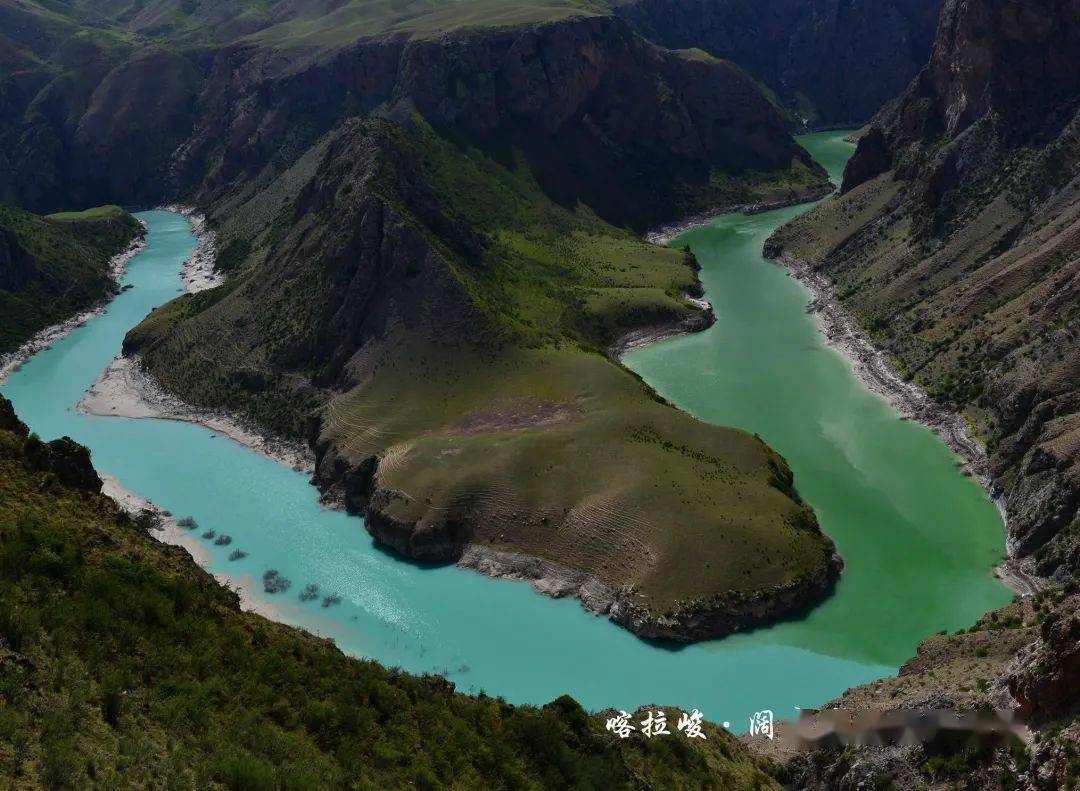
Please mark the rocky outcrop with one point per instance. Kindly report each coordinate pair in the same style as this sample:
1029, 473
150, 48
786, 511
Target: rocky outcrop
833, 62
9, 421
67, 460
1046, 682
871, 158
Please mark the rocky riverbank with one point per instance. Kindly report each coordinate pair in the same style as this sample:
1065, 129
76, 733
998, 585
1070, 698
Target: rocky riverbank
876, 371
200, 269
665, 233
125, 390
645, 336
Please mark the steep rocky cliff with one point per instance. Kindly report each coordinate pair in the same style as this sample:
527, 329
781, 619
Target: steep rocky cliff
599, 114
836, 62
957, 244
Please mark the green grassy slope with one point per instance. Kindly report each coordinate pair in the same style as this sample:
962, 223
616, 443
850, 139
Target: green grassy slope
307, 23
53, 267
456, 345
124, 665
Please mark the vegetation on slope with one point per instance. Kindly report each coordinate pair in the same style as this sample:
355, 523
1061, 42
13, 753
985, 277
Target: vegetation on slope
581, 94
123, 664
53, 267
446, 318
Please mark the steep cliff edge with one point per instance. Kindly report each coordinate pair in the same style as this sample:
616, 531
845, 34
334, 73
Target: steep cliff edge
835, 63
956, 243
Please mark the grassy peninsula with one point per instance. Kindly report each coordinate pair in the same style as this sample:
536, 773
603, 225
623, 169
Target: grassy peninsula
484, 413
430, 217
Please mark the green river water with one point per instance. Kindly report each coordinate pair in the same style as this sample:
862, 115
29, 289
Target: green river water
919, 539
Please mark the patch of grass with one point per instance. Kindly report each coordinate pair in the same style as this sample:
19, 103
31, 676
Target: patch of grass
559, 454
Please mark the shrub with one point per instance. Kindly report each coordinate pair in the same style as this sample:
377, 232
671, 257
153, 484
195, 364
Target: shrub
273, 582
244, 772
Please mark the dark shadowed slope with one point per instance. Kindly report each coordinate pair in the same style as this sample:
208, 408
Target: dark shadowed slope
834, 63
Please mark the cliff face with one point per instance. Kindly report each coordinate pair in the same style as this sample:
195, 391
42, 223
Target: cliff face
835, 61
600, 114
957, 243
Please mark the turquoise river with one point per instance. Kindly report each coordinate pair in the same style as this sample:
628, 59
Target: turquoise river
918, 538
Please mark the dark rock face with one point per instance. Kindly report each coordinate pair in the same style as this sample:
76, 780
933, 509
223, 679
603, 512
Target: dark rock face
1047, 682
870, 159
9, 421
836, 61
67, 460
583, 99
1011, 62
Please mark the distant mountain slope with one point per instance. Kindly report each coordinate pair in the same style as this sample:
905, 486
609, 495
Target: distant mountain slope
113, 644
52, 267
635, 130
957, 243
836, 62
